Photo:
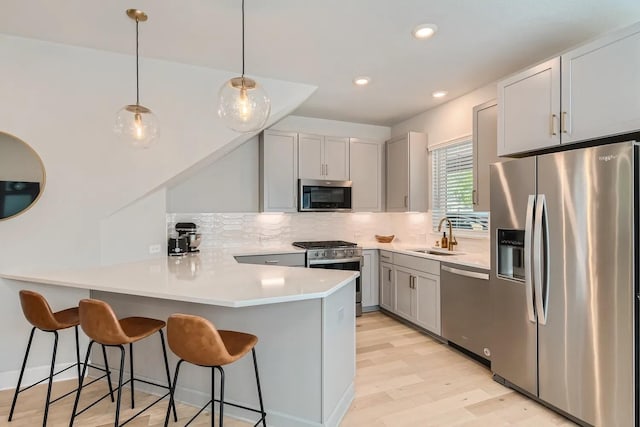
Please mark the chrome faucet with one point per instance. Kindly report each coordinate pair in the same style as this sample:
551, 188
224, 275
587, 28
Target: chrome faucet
452, 240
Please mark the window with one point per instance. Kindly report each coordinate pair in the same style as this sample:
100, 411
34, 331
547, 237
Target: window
452, 187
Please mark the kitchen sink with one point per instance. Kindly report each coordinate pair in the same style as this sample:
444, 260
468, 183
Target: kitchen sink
437, 252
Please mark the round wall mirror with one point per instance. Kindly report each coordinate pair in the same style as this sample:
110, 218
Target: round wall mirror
22, 176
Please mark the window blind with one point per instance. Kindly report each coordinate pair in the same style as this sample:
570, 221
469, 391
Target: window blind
452, 187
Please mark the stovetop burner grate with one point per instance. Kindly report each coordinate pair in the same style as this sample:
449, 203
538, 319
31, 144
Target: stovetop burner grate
323, 244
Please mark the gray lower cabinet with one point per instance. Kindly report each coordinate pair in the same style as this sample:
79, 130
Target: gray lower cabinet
387, 290
410, 288
466, 308
418, 298
286, 260
369, 282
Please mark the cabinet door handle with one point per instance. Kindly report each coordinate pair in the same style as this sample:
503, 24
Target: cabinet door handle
406, 201
389, 274
563, 124
552, 124
474, 194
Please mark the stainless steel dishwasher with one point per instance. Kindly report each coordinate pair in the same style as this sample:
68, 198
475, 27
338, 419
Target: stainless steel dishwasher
466, 308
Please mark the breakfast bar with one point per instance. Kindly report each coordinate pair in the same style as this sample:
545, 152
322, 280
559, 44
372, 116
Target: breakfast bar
304, 320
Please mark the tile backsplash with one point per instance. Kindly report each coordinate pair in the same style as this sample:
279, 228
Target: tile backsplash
229, 230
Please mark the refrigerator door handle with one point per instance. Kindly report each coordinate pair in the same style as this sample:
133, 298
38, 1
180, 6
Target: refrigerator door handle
528, 279
540, 261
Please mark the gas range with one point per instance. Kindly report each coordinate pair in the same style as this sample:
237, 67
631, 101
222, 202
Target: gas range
336, 255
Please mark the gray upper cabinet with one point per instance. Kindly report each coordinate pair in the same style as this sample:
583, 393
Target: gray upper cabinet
323, 157
407, 173
366, 175
529, 107
601, 87
600, 83
278, 171
485, 143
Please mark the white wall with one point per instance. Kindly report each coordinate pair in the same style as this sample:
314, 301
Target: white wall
231, 184
62, 100
448, 121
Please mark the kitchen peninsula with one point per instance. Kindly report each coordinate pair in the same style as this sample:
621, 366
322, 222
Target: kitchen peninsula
304, 319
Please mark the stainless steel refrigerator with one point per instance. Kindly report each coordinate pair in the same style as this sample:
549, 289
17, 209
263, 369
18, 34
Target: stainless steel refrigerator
564, 280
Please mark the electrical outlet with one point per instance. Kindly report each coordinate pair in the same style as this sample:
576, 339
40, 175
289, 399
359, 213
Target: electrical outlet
154, 249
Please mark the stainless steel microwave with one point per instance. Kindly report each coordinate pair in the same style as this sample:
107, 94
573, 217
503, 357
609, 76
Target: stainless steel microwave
317, 195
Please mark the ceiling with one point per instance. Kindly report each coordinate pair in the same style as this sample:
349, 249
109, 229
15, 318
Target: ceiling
328, 42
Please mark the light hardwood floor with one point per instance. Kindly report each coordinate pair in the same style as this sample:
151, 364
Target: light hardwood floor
403, 378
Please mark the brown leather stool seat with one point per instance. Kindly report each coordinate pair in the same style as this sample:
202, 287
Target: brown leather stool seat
37, 311
196, 340
99, 322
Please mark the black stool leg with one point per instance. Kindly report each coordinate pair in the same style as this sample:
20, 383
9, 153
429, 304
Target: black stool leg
120, 377
221, 419
84, 371
108, 372
53, 366
213, 396
133, 403
172, 392
166, 366
78, 354
24, 364
255, 366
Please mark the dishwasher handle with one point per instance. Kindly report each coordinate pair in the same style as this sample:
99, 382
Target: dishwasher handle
473, 274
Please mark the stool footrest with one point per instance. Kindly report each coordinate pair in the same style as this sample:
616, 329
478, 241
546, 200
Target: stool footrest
59, 372
116, 389
257, 411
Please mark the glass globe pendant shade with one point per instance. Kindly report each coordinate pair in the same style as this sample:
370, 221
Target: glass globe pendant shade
244, 106
137, 125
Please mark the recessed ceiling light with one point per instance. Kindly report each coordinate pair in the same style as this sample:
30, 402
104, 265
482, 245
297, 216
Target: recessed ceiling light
362, 80
439, 93
424, 31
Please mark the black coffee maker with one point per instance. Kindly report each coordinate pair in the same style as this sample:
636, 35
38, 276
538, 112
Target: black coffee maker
185, 240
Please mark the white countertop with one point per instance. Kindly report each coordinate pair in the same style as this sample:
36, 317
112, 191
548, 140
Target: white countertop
212, 277
468, 259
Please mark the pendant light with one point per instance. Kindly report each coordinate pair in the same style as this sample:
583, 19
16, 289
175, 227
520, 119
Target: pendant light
136, 124
244, 105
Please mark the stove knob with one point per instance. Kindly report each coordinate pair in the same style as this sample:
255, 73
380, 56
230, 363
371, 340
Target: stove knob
349, 253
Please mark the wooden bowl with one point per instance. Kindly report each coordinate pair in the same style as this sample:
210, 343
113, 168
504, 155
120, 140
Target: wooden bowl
385, 239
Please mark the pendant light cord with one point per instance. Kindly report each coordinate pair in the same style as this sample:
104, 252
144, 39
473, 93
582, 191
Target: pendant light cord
138, 66
243, 40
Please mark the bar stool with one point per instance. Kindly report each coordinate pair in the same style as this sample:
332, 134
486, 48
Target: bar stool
37, 311
100, 323
196, 340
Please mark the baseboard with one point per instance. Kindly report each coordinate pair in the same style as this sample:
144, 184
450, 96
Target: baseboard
341, 408
370, 308
9, 379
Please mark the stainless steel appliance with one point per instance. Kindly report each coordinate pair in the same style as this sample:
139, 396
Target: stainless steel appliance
564, 280
466, 308
337, 255
324, 196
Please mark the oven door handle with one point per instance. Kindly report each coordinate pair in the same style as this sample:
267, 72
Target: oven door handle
334, 261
